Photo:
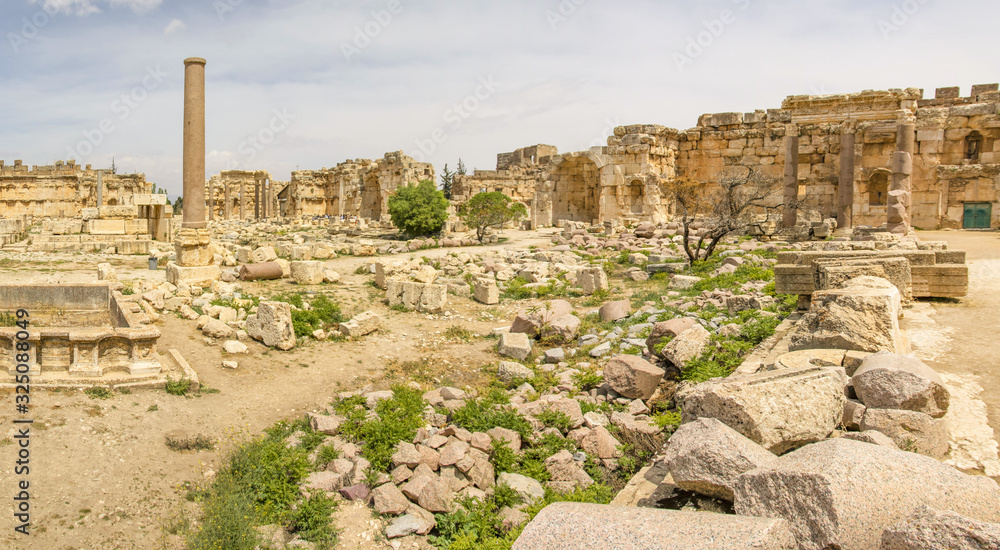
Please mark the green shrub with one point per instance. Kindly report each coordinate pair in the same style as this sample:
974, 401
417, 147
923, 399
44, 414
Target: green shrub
485, 210
515, 289
418, 209
327, 454
587, 379
555, 419
270, 472
397, 419
312, 520
97, 392
177, 387
485, 413
228, 518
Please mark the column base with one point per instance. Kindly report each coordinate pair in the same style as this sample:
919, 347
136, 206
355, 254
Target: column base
202, 276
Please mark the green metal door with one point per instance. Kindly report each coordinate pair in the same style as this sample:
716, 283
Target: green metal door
977, 215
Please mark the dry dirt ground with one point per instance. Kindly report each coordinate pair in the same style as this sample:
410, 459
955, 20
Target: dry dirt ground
102, 477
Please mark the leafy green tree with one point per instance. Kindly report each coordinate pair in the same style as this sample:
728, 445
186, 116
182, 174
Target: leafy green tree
178, 204
419, 209
460, 171
447, 179
489, 209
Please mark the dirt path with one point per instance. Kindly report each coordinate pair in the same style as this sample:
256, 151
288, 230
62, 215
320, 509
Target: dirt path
101, 474
972, 346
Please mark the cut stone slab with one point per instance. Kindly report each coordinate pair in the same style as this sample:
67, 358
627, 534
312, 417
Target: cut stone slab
706, 456
272, 324
361, 325
516, 345
668, 329
632, 376
930, 528
779, 410
572, 526
910, 430
613, 311
307, 272
893, 381
857, 318
688, 345
509, 371
842, 494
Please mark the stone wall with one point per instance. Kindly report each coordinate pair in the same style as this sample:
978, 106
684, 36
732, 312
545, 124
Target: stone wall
62, 190
844, 168
358, 187
243, 195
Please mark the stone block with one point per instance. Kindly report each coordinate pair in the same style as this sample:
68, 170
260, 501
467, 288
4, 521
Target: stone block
272, 325
779, 410
688, 345
910, 430
892, 381
857, 317
929, 528
365, 323
572, 526
706, 456
307, 272
486, 291
632, 376
592, 279
514, 344
106, 227
202, 276
842, 494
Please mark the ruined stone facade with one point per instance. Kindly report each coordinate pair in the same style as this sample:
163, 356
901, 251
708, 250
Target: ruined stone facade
62, 190
243, 195
354, 187
872, 158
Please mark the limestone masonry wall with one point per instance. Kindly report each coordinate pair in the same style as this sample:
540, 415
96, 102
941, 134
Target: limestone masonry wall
844, 166
62, 190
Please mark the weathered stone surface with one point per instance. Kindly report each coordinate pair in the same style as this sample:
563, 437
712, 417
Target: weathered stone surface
871, 436
406, 455
388, 499
234, 346
688, 345
668, 329
509, 371
892, 381
779, 410
525, 486
854, 318
409, 524
562, 329
600, 443
592, 279
215, 328
272, 324
632, 376
706, 456
361, 325
572, 526
613, 311
562, 468
485, 291
514, 344
843, 494
854, 413
683, 282
928, 528
910, 430
325, 424
436, 496
512, 438
308, 272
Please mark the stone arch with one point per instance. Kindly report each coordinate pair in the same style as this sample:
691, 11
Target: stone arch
878, 188
576, 189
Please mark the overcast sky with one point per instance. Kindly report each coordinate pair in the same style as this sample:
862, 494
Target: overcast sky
310, 83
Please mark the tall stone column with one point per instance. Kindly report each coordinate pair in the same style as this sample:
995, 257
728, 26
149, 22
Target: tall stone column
227, 209
195, 262
194, 143
845, 187
211, 200
790, 216
100, 189
256, 200
898, 204
243, 201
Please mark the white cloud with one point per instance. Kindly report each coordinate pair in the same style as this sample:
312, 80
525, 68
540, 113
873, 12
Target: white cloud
174, 26
87, 7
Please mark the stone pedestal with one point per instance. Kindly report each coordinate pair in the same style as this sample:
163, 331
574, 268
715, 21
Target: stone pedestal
202, 276
898, 204
192, 248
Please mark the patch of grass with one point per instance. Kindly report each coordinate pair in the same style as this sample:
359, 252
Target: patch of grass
153, 408
397, 419
668, 420
177, 387
493, 410
515, 289
98, 393
327, 454
399, 307
555, 419
743, 274
7, 319
196, 443
312, 520
456, 332
127, 288
587, 379
323, 313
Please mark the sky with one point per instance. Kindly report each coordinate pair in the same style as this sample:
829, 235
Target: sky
307, 84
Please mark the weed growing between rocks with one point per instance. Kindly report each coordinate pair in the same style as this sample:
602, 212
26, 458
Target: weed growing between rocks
491, 411
98, 392
259, 485
396, 419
